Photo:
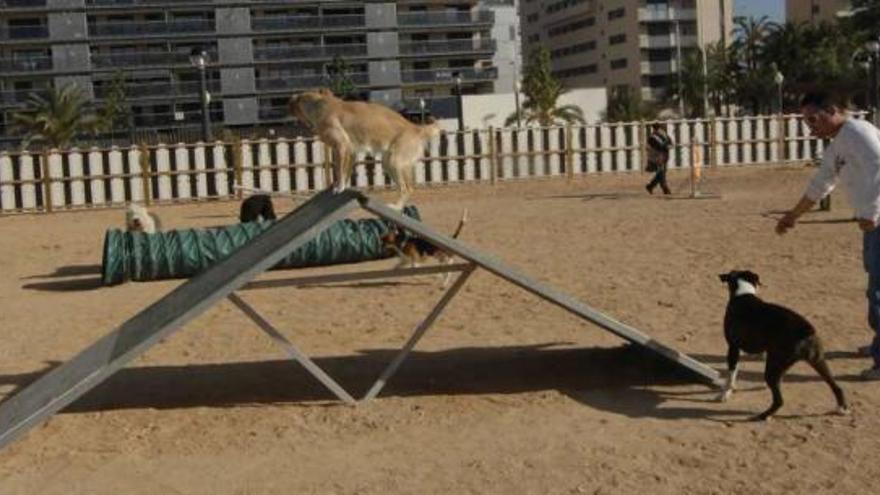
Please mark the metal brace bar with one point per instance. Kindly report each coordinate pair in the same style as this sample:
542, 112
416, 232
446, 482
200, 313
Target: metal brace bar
418, 333
291, 350
355, 276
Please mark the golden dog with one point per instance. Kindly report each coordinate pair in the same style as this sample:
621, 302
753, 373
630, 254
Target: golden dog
348, 127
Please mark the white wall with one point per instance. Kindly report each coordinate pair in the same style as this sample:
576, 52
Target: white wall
481, 111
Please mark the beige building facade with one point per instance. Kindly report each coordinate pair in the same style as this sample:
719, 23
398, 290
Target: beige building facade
616, 44
815, 11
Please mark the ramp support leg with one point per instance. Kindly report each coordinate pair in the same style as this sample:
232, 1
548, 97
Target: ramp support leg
291, 350
417, 334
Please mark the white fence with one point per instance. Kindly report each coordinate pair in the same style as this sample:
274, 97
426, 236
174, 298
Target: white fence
186, 172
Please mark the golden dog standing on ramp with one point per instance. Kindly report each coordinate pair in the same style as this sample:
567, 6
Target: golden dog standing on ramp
352, 126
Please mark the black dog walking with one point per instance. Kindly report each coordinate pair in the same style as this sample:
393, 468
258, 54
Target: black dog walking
659, 144
754, 326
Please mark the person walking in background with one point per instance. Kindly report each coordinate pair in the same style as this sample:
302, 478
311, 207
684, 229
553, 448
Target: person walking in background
659, 144
854, 157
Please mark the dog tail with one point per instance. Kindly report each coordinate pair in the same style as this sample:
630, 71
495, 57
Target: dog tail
430, 131
460, 223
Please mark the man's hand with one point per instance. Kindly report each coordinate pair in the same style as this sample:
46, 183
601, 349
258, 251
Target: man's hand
867, 225
786, 222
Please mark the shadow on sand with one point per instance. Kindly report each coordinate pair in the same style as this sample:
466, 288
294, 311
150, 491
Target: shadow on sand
621, 380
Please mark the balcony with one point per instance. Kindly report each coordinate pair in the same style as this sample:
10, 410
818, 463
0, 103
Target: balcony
439, 107
444, 19
455, 47
446, 75
171, 28
288, 83
273, 113
130, 3
307, 22
659, 68
17, 98
26, 66
665, 41
116, 60
137, 91
275, 54
23, 32
664, 14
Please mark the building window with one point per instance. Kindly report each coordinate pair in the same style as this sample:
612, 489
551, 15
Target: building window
571, 26
616, 13
583, 70
619, 63
573, 49
617, 39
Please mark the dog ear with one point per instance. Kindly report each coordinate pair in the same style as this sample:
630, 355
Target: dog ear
724, 277
752, 278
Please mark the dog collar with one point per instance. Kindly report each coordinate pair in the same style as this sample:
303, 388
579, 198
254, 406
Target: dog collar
743, 288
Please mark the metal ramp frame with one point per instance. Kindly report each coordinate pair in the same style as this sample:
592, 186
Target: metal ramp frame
69, 381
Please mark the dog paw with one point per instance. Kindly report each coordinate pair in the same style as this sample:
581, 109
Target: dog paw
842, 411
724, 396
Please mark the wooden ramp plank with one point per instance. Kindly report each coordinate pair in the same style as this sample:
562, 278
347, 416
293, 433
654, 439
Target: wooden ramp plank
566, 302
64, 384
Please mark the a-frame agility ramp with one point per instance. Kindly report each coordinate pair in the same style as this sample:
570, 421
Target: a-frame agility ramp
67, 382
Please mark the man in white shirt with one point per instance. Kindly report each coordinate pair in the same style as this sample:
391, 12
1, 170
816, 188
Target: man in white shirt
854, 157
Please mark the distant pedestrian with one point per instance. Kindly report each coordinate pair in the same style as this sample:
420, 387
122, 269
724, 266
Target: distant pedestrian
659, 144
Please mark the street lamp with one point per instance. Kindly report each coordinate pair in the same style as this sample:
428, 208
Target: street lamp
199, 59
516, 89
457, 79
779, 79
422, 110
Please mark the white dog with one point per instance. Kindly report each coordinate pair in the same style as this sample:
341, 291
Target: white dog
138, 219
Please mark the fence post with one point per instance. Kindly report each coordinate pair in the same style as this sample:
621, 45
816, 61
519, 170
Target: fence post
643, 144
47, 182
327, 164
237, 164
713, 143
780, 120
493, 157
569, 152
146, 173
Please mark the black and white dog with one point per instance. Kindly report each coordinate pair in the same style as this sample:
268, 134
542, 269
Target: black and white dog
754, 326
257, 207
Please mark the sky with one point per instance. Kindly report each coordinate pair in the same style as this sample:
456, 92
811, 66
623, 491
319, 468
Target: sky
774, 9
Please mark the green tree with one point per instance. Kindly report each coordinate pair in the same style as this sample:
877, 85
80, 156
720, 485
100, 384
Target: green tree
693, 84
339, 78
115, 114
542, 91
55, 119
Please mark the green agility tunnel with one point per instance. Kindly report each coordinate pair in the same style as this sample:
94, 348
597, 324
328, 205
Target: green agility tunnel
184, 253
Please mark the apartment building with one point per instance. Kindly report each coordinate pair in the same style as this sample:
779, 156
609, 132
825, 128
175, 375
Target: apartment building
258, 53
623, 44
815, 11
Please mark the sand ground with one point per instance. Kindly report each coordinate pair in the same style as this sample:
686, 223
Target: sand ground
505, 394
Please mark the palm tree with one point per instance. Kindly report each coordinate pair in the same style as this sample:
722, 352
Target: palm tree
626, 105
750, 34
751, 78
56, 118
542, 91
719, 76
693, 84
